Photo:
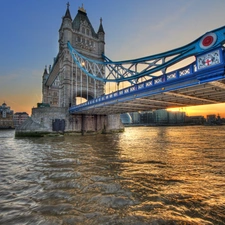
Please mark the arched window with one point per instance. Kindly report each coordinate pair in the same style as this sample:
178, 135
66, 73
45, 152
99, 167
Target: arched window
83, 30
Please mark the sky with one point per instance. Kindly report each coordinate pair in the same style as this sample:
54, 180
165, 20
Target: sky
133, 29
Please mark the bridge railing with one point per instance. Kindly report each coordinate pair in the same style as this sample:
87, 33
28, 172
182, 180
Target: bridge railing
187, 70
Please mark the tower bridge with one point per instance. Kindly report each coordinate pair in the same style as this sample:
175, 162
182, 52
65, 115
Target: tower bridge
82, 70
191, 85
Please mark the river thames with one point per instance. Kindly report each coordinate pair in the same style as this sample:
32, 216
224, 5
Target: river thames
146, 175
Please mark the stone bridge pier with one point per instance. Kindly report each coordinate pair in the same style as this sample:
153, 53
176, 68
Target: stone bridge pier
55, 121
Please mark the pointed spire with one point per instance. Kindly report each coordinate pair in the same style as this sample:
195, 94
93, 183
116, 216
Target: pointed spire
82, 8
67, 14
45, 71
100, 29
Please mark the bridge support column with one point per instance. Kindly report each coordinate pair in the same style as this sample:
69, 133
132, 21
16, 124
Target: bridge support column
83, 124
96, 122
67, 84
113, 124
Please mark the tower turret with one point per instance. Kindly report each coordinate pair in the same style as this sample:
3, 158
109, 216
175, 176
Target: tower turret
45, 75
65, 31
101, 36
44, 87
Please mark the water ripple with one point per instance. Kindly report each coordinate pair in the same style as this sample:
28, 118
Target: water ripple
147, 175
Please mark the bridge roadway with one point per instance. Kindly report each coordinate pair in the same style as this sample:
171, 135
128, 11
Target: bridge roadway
189, 86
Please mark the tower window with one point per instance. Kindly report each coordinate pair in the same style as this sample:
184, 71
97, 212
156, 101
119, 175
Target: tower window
83, 30
4, 114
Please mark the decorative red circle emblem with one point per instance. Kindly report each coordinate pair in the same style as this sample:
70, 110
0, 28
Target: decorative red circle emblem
208, 40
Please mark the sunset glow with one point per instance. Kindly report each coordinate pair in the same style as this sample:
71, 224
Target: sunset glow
30, 39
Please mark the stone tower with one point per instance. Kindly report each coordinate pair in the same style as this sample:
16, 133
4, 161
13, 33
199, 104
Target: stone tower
65, 81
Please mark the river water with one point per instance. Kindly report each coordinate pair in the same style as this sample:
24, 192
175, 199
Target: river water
146, 175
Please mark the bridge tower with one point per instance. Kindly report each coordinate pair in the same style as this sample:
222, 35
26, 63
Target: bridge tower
65, 81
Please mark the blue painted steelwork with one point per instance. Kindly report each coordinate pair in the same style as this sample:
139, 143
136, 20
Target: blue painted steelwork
120, 71
191, 75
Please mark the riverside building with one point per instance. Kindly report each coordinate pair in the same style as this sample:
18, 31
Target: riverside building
19, 118
6, 117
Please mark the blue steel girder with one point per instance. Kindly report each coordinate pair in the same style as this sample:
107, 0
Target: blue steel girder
196, 84
120, 71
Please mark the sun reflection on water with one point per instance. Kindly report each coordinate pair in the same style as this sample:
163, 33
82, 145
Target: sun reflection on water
146, 175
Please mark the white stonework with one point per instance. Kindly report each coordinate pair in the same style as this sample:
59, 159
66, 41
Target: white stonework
63, 82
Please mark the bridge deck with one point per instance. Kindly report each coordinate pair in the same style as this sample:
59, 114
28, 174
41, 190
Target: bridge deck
188, 86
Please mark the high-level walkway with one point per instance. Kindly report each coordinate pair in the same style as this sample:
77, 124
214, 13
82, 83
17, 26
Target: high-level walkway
199, 83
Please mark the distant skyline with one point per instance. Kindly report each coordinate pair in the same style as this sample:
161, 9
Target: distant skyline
134, 28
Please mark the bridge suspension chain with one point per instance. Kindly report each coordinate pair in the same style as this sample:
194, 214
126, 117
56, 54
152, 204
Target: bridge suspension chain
145, 67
